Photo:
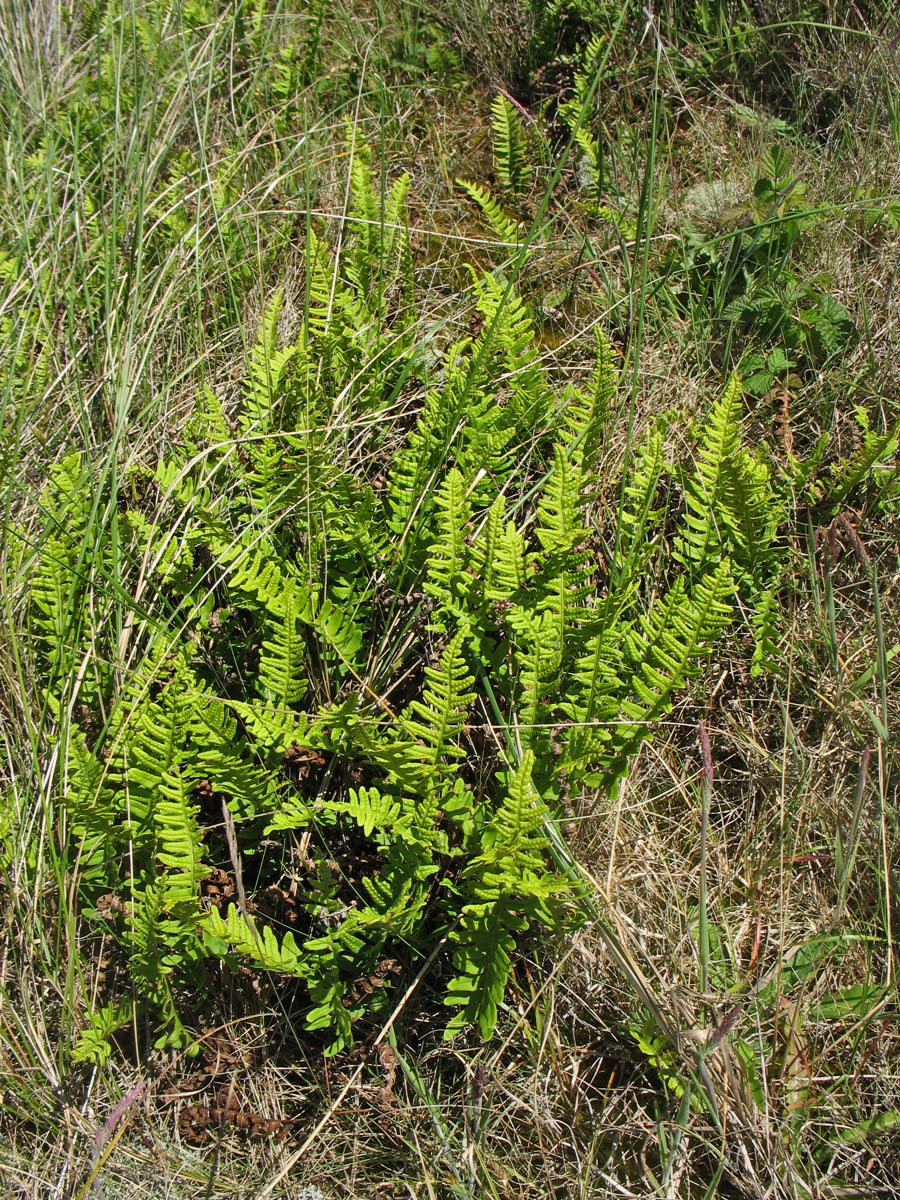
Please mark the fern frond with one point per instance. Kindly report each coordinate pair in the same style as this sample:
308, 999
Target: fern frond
437, 720
93, 1043
152, 745
874, 450
538, 663
509, 334
510, 888
706, 489
447, 579
153, 955
372, 810
337, 629
222, 757
638, 517
510, 145
252, 940
506, 227
265, 372
281, 654
674, 637
587, 412
319, 283
487, 933
180, 846
399, 247
559, 525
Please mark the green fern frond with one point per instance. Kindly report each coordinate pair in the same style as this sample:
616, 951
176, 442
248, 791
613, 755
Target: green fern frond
154, 952
509, 334
60, 574
560, 528
706, 489
319, 283
251, 940
180, 846
639, 516
222, 757
538, 662
483, 963
447, 579
763, 624
281, 654
94, 810
265, 372
587, 411
437, 720
674, 637
94, 1045
336, 628
510, 889
506, 227
399, 248
371, 810
510, 146
509, 572
152, 745
875, 449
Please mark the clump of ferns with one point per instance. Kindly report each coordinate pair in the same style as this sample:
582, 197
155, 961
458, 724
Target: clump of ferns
372, 699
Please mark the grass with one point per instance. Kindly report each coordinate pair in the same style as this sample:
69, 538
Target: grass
727, 1024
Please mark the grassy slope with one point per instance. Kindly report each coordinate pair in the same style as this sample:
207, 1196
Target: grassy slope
157, 181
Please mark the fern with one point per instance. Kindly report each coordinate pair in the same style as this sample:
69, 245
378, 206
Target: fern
281, 657
706, 489
94, 1045
733, 509
506, 227
510, 146
382, 654
588, 411
638, 519
437, 720
266, 368
510, 889
875, 449
448, 580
